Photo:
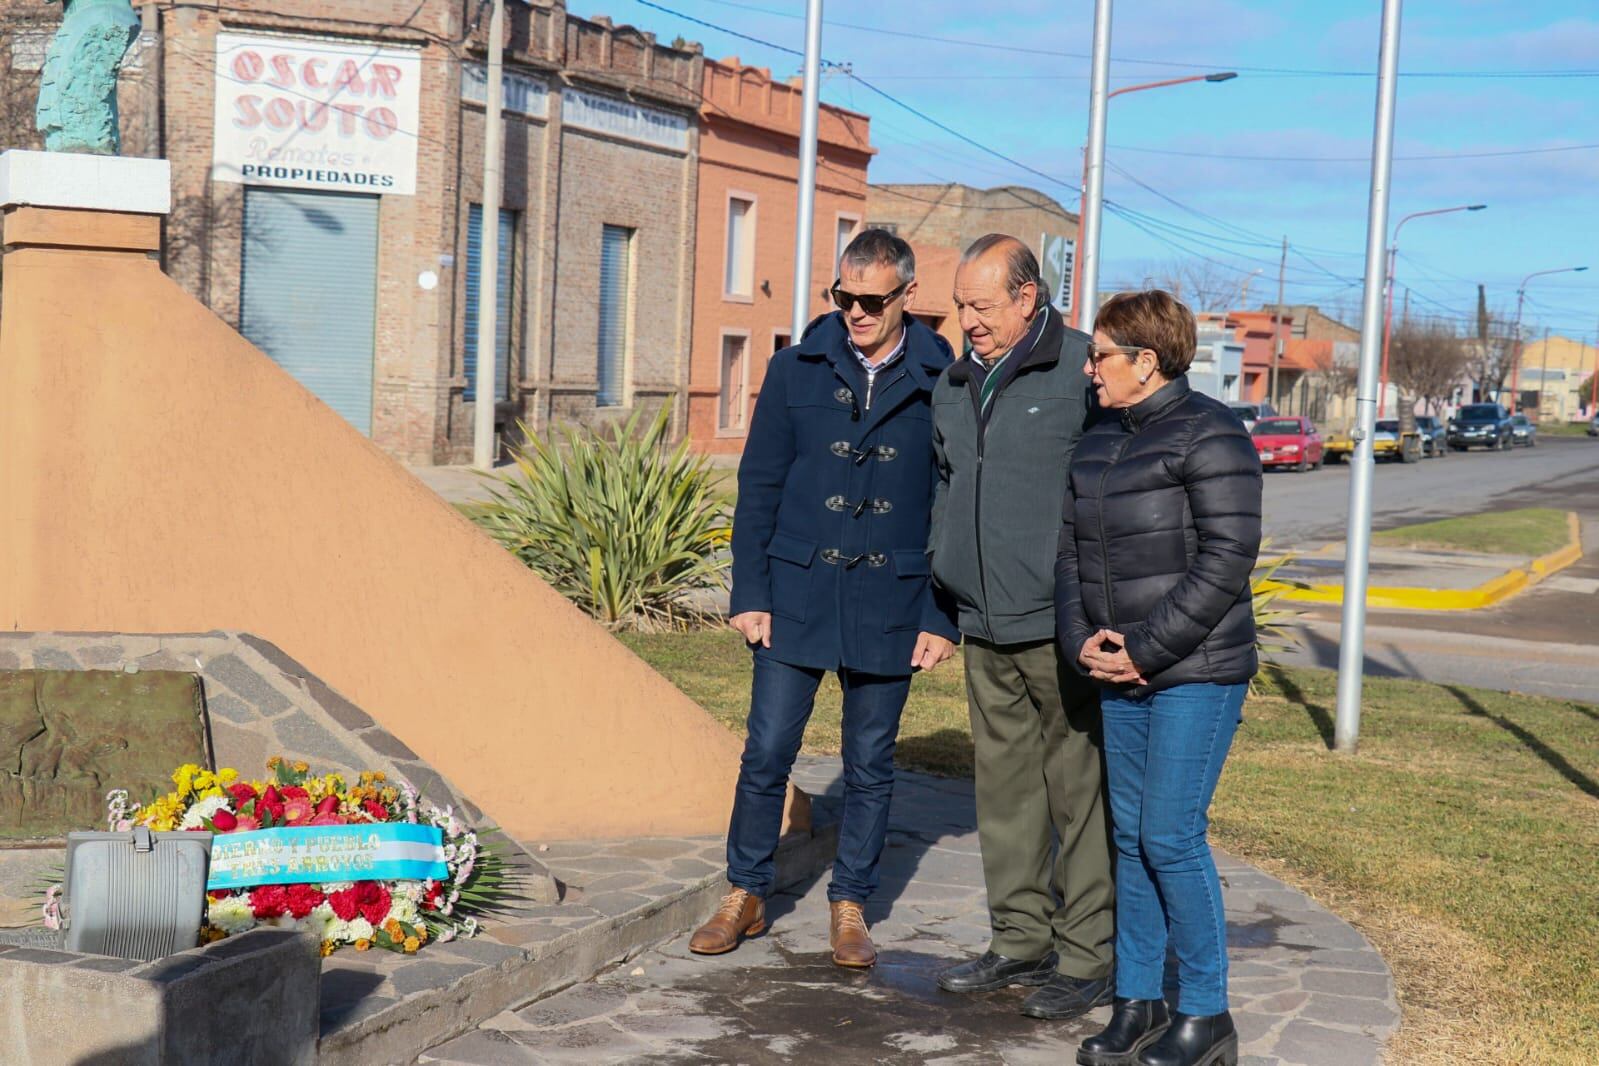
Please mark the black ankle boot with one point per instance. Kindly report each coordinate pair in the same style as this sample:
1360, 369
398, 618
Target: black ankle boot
1194, 1040
1134, 1025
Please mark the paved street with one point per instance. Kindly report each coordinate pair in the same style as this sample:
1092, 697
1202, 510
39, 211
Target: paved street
1560, 472
1307, 988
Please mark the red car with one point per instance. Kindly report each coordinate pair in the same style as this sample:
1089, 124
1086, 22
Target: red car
1288, 442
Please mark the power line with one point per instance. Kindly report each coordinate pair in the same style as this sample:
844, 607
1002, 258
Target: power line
1015, 49
1353, 158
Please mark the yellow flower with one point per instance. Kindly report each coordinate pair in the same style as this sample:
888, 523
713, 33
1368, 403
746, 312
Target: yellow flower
211, 934
411, 944
389, 796
380, 777
274, 762
362, 945
301, 767
327, 948
227, 775
184, 776
212, 793
421, 932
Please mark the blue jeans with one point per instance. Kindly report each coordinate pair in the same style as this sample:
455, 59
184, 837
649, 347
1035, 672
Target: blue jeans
1163, 756
780, 705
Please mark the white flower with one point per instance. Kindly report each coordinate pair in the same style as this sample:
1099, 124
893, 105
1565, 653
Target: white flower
330, 887
231, 915
206, 808
402, 910
359, 929
321, 921
469, 928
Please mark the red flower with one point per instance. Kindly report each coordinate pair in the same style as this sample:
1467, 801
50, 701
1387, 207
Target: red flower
294, 792
270, 805
268, 901
345, 904
329, 805
378, 812
375, 901
434, 895
242, 793
328, 819
302, 898
247, 823
297, 810
224, 821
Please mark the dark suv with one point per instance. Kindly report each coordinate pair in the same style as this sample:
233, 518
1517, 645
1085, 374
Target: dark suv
1480, 425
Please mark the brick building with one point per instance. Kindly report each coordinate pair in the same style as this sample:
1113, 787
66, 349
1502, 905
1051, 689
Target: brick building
327, 170
744, 269
940, 221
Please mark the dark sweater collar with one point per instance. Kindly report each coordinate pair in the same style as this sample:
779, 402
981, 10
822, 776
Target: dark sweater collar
1156, 404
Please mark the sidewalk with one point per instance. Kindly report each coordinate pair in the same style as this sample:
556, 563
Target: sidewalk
1423, 580
1306, 987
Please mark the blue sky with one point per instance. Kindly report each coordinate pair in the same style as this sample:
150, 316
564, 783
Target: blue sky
1018, 84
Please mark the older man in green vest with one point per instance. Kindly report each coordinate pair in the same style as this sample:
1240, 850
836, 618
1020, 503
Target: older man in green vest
1006, 417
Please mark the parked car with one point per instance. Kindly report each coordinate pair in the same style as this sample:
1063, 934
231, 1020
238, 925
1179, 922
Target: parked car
1250, 413
1434, 437
1387, 442
1593, 426
1288, 442
1523, 430
1480, 425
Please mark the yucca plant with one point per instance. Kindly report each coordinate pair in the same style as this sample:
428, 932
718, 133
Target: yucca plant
619, 524
1271, 621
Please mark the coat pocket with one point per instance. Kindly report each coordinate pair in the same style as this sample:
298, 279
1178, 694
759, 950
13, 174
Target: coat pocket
790, 558
911, 575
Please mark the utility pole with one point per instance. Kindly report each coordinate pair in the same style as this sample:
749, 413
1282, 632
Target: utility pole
1091, 216
1482, 342
1352, 646
1277, 322
488, 267
1543, 373
804, 222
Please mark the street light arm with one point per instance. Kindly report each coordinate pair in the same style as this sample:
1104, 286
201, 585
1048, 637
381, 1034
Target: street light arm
1434, 211
1225, 76
1540, 273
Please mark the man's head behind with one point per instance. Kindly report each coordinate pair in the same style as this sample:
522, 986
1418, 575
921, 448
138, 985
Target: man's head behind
882, 268
998, 289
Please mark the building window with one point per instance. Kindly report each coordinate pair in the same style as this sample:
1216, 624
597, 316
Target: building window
616, 302
888, 227
781, 339
506, 257
739, 277
732, 402
846, 228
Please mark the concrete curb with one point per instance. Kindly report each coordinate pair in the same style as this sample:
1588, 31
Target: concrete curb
1493, 591
402, 1031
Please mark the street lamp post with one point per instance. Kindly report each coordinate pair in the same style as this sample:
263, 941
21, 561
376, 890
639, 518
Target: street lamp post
1085, 285
1521, 298
1388, 315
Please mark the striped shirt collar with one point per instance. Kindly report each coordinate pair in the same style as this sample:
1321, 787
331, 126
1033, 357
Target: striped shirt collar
873, 369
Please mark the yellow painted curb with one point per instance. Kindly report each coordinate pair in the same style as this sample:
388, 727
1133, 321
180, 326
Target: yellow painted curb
1495, 590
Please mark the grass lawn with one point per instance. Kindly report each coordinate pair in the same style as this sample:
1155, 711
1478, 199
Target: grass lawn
1462, 840
1529, 531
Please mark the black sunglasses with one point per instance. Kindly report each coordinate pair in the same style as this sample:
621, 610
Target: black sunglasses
872, 304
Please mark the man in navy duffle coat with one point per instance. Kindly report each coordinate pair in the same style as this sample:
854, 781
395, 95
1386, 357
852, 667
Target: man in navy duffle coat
830, 572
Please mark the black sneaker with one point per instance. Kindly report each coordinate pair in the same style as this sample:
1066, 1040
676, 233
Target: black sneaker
1064, 997
992, 972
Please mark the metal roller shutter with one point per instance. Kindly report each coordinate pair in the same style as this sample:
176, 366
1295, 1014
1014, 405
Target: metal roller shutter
309, 291
615, 274
502, 305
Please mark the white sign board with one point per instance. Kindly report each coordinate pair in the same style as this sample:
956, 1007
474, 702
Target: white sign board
523, 95
1055, 259
623, 118
306, 113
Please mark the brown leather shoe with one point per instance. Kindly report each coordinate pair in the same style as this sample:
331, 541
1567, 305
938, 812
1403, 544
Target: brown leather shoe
847, 935
740, 915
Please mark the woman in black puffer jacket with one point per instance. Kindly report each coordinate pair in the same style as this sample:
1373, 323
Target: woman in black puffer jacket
1160, 533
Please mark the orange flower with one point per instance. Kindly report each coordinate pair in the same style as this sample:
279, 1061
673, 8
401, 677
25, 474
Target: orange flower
327, 948
362, 945
393, 928
411, 944
421, 932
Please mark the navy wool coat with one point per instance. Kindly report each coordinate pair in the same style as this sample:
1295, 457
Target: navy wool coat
834, 498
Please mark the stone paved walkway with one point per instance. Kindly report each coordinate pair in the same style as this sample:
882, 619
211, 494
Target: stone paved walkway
1306, 987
